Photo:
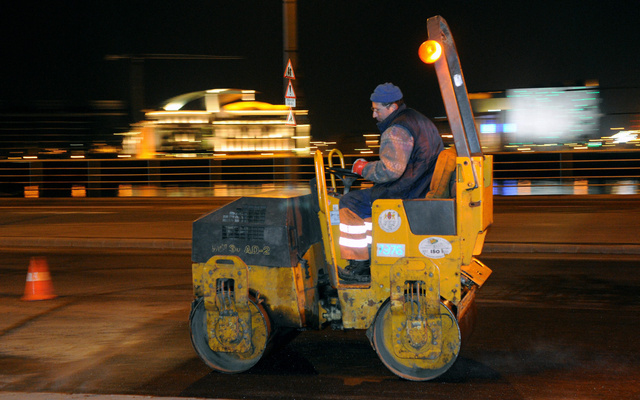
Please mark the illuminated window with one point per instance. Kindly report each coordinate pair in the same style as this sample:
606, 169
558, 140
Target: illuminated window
487, 128
509, 128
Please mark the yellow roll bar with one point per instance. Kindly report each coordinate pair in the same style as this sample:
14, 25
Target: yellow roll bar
330, 159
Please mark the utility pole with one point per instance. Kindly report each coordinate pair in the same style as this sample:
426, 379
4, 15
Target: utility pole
290, 45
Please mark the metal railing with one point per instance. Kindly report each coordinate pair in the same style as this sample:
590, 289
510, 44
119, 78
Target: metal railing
577, 172
588, 172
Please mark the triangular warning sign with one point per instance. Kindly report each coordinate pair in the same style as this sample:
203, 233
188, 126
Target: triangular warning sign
290, 93
288, 72
291, 121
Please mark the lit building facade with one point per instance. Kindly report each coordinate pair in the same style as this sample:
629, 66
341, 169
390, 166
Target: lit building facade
545, 118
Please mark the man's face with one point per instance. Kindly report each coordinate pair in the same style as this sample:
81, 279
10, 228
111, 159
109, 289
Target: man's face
380, 112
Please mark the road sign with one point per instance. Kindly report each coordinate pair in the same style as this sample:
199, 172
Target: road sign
290, 93
291, 121
288, 72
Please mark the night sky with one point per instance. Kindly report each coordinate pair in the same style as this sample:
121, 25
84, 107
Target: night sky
55, 51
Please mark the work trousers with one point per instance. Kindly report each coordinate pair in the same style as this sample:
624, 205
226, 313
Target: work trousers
355, 225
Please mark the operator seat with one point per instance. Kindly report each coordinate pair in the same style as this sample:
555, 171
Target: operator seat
436, 213
444, 179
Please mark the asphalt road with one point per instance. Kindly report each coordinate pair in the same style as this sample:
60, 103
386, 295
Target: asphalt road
549, 327
540, 224
558, 317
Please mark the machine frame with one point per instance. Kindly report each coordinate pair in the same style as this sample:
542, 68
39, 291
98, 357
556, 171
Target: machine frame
424, 273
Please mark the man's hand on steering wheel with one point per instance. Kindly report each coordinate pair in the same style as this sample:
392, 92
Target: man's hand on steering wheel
358, 166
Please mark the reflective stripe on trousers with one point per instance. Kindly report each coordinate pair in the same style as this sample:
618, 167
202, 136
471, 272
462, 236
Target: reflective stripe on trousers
355, 236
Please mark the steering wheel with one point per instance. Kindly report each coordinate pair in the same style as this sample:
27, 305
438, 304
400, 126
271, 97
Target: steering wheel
346, 176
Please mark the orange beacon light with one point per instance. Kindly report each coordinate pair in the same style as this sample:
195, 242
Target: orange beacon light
430, 51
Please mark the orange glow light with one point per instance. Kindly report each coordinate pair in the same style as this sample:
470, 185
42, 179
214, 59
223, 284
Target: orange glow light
430, 51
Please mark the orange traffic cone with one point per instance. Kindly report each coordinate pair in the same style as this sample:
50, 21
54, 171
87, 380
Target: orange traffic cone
39, 286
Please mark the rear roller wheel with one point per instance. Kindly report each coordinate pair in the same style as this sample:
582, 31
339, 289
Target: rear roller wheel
230, 363
416, 369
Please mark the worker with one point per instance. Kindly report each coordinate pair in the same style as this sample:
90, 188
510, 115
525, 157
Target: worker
409, 146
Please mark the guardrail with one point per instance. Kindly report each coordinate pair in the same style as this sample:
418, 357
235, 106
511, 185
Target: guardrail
570, 172
125, 177
582, 172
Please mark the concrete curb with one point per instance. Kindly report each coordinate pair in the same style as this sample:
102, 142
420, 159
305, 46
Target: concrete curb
185, 244
561, 248
69, 396
115, 243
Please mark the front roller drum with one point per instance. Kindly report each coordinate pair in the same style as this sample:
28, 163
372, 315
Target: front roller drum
412, 368
230, 362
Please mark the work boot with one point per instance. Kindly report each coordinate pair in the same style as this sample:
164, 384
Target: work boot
358, 271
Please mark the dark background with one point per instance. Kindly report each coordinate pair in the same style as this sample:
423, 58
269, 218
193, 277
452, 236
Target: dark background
55, 51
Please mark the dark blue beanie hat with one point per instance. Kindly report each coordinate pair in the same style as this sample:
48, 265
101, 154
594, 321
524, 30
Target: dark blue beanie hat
386, 93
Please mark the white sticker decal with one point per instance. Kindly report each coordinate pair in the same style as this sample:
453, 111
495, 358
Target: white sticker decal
457, 80
389, 221
435, 247
334, 216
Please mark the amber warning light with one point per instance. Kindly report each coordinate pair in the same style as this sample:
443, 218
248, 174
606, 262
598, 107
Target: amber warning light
430, 51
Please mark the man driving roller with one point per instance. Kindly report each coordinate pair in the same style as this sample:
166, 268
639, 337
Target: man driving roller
409, 146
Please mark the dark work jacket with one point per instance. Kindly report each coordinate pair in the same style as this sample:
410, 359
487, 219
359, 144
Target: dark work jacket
427, 144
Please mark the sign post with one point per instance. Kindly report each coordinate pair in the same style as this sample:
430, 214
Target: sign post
290, 95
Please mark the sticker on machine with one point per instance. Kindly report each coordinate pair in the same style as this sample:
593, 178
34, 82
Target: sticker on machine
390, 250
334, 215
389, 221
435, 247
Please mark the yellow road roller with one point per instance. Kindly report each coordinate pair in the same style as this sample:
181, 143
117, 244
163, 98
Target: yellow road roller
266, 266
